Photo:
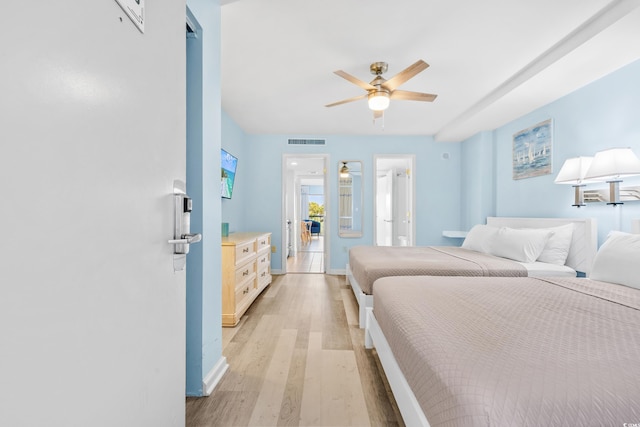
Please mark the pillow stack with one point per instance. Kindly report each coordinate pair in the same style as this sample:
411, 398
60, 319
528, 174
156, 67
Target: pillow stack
550, 245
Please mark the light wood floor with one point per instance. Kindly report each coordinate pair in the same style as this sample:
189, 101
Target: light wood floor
309, 258
297, 358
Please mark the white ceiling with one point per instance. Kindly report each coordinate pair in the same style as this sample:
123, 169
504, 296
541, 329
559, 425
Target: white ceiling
490, 62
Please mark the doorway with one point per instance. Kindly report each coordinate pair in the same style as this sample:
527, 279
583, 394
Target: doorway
394, 200
305, 208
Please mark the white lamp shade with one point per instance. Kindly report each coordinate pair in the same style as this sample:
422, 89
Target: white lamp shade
378, 101
612, 164
574, 170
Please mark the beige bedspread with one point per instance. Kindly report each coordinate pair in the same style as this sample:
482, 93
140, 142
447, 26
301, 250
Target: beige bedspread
369, 263
515, 351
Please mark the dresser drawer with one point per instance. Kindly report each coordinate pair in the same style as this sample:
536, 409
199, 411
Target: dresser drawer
245, 272
264, 278
243, 292
264, 271
264, 242
264, 260
245, 251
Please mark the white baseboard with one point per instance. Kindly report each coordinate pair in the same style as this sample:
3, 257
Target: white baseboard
214, 376
276, 272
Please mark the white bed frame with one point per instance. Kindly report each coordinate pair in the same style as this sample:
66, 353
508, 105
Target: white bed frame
584, 246
410, 409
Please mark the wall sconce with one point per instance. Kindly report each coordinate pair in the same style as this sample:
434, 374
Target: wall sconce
611, 165
573, 172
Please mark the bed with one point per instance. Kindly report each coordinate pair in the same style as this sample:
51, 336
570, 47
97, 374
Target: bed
461, 351
369, 263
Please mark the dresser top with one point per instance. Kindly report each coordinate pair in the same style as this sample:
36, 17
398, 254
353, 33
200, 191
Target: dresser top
235, 238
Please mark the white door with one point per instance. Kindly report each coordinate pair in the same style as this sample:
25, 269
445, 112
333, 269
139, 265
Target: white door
394, 200
91, 146
401, 207
384, 209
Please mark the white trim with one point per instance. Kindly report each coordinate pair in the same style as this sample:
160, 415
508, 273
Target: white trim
276, 272
410, 409
337, 272
214, 376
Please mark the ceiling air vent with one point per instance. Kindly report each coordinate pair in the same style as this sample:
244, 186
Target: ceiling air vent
307, 141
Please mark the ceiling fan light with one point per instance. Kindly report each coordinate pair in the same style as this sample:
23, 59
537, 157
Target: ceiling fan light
379, 100
344, 171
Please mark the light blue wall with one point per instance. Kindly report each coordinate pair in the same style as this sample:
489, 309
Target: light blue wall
601, 115
204, 289
478, 180
437, 185
234, 210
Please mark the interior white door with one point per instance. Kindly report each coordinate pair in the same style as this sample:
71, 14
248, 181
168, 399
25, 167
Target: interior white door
384, 209
394, 200
401, 207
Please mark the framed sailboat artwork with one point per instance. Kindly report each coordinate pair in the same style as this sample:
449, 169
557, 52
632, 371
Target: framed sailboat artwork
532, 149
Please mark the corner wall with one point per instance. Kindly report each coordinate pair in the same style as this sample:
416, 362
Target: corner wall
205, 363
477, 173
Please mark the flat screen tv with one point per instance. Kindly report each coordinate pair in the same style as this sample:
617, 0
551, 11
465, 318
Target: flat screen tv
228, 164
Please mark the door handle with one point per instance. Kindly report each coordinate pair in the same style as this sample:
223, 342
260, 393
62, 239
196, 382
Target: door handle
187, 239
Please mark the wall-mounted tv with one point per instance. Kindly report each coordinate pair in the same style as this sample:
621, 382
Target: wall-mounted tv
228, 164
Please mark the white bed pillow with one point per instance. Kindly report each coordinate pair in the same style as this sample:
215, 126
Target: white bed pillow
617, 259
557, 248
479, 238
524, 245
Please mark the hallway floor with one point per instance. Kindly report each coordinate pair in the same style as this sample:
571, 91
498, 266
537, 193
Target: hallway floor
310, 257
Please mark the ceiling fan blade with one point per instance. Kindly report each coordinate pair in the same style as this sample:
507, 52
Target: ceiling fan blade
405, 75
412, 96
354, 80
344, 101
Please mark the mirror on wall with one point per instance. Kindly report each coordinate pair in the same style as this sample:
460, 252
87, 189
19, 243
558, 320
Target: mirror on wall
350, 194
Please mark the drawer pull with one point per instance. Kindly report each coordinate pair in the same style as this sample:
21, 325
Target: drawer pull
245, 250
263, 273
246, 291
263, 242
245, 273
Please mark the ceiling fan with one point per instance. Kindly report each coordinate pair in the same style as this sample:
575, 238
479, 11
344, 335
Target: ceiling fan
380, 91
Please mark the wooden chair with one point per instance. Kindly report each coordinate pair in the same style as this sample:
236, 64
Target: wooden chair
305, 232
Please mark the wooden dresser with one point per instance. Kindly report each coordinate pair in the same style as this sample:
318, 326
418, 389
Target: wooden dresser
246, 271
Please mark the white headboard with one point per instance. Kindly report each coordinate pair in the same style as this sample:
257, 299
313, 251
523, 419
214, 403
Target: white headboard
584, 244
